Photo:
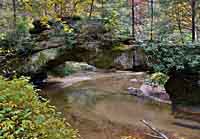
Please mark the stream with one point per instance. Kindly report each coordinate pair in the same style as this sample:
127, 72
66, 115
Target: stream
99, 106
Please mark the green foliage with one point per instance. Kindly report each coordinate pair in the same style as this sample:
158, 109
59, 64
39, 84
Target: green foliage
104, 61
116, 17
158, 78
61, 71
22, 28
18, 39
165, 58
119, 48
13, 47
63, 29
70, 39
24, 116
110, 21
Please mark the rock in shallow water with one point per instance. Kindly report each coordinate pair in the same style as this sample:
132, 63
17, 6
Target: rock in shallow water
80, 66
157, 92
135, 91
154, 93
184, 88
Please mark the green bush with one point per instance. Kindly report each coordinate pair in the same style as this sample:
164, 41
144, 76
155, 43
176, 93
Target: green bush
157, 78
24, 116
166, 58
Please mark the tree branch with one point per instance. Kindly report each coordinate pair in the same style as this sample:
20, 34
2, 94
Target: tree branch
162, 135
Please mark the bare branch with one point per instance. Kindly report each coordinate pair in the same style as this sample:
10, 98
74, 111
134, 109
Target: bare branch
162, 135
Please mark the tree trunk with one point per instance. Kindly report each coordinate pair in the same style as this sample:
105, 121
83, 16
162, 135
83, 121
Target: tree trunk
1, 3
133, 19
56, 8
102, 9
61, 10
14, 13
193, 5
152, 20
91, 9
179, 25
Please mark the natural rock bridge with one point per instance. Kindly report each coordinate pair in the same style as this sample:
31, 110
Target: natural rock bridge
98, 50
119, 57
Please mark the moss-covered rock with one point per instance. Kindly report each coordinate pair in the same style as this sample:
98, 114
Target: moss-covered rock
92, 44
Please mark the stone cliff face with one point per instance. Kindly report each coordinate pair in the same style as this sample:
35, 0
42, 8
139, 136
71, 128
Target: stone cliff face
92, 44
127, 59
95, 46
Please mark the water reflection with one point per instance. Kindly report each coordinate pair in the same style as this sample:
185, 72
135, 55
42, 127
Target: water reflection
106, 99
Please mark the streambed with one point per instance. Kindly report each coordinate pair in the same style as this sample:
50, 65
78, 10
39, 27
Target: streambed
99, 106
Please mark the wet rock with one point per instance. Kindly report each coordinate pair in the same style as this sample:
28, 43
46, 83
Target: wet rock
183, 88
139, 60
38, 79
155, 91
135, 91
132, 59
135, 81
38, 27
150, 92
76, 66
124, 60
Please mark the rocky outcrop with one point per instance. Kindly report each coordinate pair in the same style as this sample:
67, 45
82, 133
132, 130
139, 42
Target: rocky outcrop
38, 27
100, 57
184, 91
132, 59
90, 42
76, 66
184, 88
155, 93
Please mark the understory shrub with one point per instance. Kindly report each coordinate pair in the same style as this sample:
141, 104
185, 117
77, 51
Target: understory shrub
25, 115
167, 58
157, 78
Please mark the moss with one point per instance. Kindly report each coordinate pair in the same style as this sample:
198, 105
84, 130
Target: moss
62, 71
119, 48
104, 61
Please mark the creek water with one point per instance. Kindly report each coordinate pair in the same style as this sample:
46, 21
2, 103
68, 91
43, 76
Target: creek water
99, 106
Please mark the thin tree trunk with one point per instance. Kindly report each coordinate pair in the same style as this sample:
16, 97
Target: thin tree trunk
180, 30
102, 9
56, 8
197, 34
45, 8
179, 25
74, 8
91, 9
61, 9
152, 20
133, 19
193, 5
14, 13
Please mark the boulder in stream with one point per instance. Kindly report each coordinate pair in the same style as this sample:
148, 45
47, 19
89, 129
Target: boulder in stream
184, 88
